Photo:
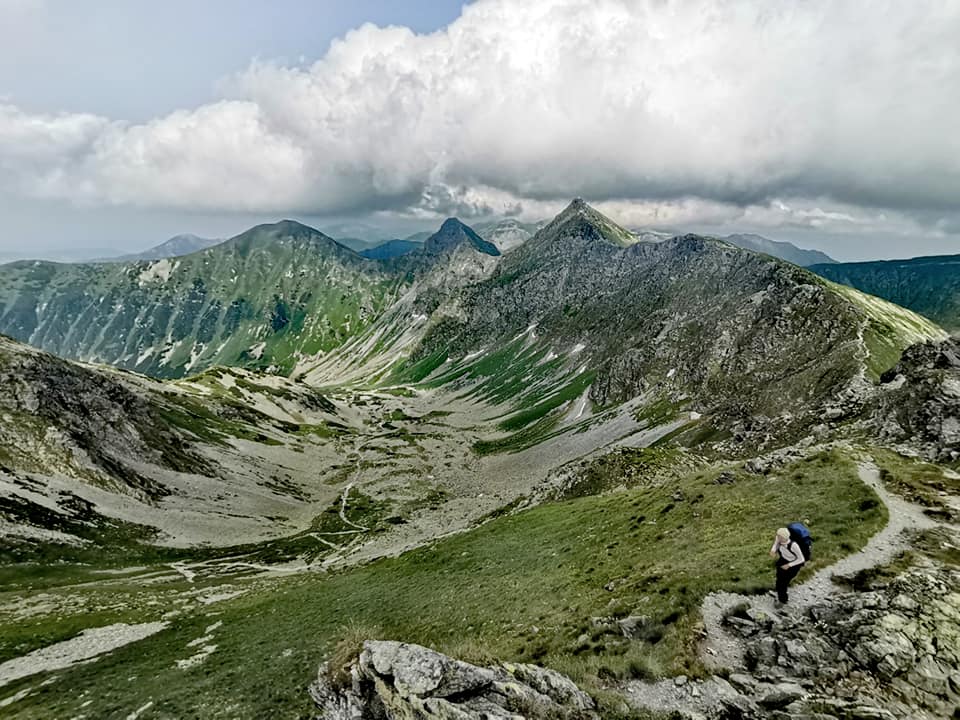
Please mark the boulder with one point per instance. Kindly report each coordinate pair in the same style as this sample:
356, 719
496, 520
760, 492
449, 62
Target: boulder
392, 680
781, 695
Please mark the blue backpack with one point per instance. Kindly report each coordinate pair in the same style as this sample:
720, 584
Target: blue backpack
800, 534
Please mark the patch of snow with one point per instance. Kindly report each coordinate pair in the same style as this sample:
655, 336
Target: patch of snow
672, 372
695, 416
120, 571
184, 570
195, 352
579, 347
88, 644
220, 597
471, 356
171, 349
200, 641
144, 355
256, 352
210, 628
582, 407
16, 697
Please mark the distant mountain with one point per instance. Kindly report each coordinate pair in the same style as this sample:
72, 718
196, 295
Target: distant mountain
391, 249
264, 299
783, 250
356, 244
368, 248
60, 255
927, 285
508, 234
174, 247
419, 237
453, 233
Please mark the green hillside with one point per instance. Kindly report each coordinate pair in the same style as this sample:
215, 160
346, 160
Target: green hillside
929, 286
264, 299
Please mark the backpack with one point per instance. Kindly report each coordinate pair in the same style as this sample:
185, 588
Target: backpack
800, 534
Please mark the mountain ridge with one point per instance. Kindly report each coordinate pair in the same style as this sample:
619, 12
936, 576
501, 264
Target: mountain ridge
928, 285
183, 244
549, 428
780, 249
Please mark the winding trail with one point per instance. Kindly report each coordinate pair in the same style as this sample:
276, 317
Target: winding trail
343, 510
724, 651
721, 649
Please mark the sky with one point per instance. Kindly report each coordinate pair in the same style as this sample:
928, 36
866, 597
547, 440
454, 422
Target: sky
828, 123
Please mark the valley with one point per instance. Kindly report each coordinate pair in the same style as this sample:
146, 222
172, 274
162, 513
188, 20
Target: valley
220, 470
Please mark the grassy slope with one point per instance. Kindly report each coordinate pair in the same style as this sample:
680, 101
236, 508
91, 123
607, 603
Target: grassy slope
284, 286
890, 328
927, 285
521, 587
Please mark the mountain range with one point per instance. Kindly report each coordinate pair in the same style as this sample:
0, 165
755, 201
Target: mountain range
506, 235
778, 249
510, 444
557, 339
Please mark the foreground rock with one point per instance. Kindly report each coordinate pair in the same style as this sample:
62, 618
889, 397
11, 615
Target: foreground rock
398, 680
888, 653
919, 400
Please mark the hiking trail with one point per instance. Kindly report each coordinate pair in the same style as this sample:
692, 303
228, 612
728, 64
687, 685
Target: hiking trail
721, 650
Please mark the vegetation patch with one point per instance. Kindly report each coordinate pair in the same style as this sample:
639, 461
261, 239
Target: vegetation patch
919, 482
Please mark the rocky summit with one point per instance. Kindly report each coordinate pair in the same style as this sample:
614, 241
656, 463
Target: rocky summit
528, 474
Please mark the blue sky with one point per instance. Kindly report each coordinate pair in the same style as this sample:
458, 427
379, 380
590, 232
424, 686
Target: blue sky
138, 59
832, 125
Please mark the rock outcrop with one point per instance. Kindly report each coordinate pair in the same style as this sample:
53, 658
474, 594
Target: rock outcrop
920, 400
394, 680
893, 652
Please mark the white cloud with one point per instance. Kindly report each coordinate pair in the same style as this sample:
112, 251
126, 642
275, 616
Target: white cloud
795, 113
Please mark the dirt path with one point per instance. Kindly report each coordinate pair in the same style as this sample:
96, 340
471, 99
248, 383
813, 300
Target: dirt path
721, 650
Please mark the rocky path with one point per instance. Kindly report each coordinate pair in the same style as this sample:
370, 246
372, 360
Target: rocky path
721, 650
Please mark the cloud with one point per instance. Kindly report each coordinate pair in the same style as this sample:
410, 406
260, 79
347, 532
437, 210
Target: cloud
666, 108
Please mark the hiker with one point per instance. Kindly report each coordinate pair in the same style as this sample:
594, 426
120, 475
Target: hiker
789, 561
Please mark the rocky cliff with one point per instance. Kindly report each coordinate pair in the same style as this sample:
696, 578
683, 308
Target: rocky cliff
918, 402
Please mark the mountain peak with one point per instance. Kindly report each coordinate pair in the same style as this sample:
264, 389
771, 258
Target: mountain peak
577, 207
454, 233
581, 218
295, 227
453, 224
